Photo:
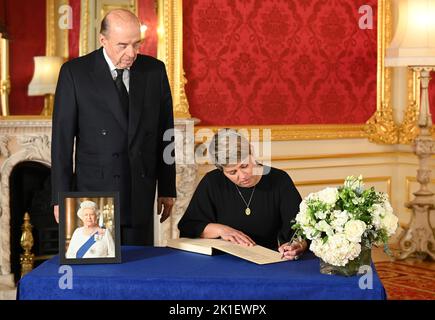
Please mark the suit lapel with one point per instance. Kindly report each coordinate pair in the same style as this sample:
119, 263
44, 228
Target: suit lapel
106, 88
138, 83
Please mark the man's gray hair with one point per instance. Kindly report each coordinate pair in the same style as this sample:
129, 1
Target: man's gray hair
228, 147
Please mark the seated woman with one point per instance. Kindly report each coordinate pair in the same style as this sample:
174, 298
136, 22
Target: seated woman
90, 241
243, 201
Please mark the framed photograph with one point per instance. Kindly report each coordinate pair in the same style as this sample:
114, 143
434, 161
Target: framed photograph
89, 228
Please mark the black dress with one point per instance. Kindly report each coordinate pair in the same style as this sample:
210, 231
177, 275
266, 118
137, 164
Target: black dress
274, 204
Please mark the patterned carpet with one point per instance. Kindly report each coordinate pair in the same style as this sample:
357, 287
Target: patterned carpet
406, 281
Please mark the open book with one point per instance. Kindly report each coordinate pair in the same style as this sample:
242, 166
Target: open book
256, 254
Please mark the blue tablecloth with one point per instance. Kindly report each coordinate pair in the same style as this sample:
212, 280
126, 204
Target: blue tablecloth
168, 274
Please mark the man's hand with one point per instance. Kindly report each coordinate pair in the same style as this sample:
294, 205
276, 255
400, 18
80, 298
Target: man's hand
56, 213
164, 207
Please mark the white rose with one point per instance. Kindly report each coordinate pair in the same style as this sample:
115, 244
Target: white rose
325, 227
309, 232
377, 214
337, 250
303, 218
338, 219
328, 195
303, 206
354, 229
320, 215
311, 196
389, 223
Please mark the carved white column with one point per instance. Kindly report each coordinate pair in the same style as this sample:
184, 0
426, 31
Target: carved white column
186, 180
419, 237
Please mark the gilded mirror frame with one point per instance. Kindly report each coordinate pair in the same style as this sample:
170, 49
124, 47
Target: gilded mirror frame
169, 48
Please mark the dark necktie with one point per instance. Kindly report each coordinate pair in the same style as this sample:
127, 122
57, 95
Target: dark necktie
122, 90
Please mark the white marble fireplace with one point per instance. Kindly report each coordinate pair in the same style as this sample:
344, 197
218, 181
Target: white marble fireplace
28, 139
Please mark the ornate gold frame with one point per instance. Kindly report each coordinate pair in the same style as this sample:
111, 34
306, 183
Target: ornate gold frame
380, 128
408, 129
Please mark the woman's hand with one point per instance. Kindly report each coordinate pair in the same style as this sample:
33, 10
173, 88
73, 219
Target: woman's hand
292, 251
217, 230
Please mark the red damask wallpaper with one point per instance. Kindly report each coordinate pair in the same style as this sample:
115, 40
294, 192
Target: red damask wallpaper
279, 61
25, 24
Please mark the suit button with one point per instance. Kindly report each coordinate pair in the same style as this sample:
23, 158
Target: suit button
115, 155
140, 153
142, 175
117, 176
104, 132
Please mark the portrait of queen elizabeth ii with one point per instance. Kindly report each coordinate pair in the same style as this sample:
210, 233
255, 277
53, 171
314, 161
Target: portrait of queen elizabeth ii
90, 240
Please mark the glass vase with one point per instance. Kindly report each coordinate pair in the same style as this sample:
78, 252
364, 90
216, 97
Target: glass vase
353, 267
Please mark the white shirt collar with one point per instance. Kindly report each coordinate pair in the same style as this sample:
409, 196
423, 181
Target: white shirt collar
109, 61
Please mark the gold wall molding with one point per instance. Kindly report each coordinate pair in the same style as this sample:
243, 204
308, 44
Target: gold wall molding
299, 132
377, 164
346, 156
381, 127
84, 27
170, 51
343, 156
50, 44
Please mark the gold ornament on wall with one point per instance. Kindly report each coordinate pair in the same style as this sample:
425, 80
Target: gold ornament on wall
381, 127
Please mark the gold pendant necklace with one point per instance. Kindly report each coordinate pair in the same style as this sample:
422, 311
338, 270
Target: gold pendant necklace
247, 210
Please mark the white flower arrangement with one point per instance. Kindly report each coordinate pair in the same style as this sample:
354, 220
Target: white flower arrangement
339, 221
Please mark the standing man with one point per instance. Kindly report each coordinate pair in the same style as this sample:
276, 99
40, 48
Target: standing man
114, 106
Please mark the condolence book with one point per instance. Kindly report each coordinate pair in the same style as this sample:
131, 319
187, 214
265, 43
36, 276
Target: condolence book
256, 254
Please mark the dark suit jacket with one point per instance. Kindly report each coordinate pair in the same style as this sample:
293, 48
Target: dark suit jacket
113, 153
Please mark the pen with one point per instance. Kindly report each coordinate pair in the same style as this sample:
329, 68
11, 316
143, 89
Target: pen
290, 242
